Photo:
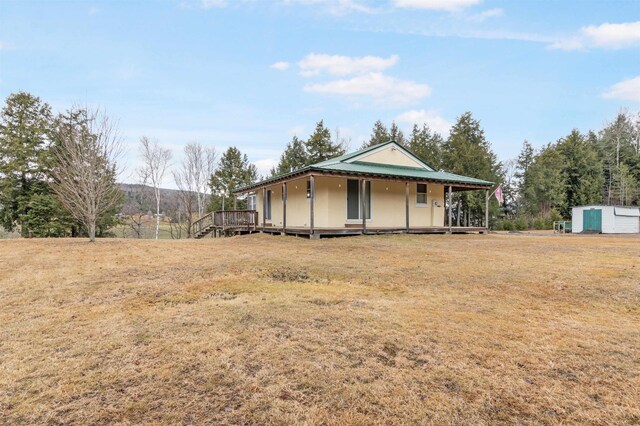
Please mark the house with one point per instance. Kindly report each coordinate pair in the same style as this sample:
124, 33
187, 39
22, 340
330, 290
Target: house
606, 219
380, 189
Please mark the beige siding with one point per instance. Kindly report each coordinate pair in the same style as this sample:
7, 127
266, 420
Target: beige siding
297, 204
429, 214
390, 155
331, 202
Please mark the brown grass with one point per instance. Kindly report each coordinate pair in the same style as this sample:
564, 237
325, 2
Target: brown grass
363, 330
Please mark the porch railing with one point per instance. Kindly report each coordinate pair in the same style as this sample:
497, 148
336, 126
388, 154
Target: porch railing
235, 219
225, 219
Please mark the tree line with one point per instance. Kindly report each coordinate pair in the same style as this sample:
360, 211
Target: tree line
597, 167
58, 172
58, 175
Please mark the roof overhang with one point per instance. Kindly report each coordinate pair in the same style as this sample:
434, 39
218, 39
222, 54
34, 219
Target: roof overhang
311, 171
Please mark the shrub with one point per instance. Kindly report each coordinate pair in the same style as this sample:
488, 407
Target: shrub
507, 225
521, 223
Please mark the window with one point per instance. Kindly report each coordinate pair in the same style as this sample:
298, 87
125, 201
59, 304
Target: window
267, 213
308, 188
251, 202
354, 200
421, 193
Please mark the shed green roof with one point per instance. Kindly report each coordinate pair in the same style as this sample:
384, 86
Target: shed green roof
346, 164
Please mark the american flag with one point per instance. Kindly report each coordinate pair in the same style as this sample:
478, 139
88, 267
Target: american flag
499, 195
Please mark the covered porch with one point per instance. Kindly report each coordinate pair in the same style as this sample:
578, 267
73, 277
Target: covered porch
332, 204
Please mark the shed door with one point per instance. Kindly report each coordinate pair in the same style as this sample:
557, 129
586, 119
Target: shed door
592, 220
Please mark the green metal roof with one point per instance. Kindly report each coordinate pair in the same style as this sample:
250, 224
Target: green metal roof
342, 165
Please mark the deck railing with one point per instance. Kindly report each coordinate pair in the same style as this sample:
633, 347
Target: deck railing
225, 219
201, 225
235, 219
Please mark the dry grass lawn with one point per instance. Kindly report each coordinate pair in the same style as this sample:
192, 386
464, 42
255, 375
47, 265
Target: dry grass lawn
364, 330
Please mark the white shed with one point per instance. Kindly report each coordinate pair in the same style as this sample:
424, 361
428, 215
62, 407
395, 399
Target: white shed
606, 219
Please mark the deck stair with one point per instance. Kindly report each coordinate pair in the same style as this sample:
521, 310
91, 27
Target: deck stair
222, 222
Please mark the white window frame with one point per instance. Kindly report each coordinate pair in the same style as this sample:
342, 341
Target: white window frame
268, 206
252, 202
346, 212
426, 195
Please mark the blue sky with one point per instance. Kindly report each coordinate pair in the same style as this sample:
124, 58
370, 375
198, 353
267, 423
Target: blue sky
252, 73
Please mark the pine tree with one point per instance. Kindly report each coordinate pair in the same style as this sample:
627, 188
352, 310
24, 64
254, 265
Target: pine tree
233, 171
545, 190
582, 172
320, 146
525, 159
426, 145
25, 158
467, 152
395, 134
294, 157
379, 135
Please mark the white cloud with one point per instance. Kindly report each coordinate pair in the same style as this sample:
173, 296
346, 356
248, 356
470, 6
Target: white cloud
334, 7
281, 65
208, 4
606, 36
314, 64
377, 86
430, 117
627, 90
449, 5
264, 166
486, 14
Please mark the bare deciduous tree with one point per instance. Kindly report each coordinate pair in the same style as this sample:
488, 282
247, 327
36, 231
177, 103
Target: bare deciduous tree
203, 161
192, 178
84, 170
154, 164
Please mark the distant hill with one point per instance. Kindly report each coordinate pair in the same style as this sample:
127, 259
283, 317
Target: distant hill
140, 198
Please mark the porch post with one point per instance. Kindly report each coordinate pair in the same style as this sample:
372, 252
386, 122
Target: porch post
450, 212
406, 186
312, 190
284, 207
486, 210
264, 208
363, 204
235, 202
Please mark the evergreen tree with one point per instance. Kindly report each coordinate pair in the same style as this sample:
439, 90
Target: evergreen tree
525, 159
294, 157
320, 146
395, 134
582, 172
426, 145
233, 171
379, 135
467, 152
545, 189
25, 127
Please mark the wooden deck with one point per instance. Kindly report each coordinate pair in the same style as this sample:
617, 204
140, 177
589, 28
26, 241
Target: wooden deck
335, 232
246, 222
